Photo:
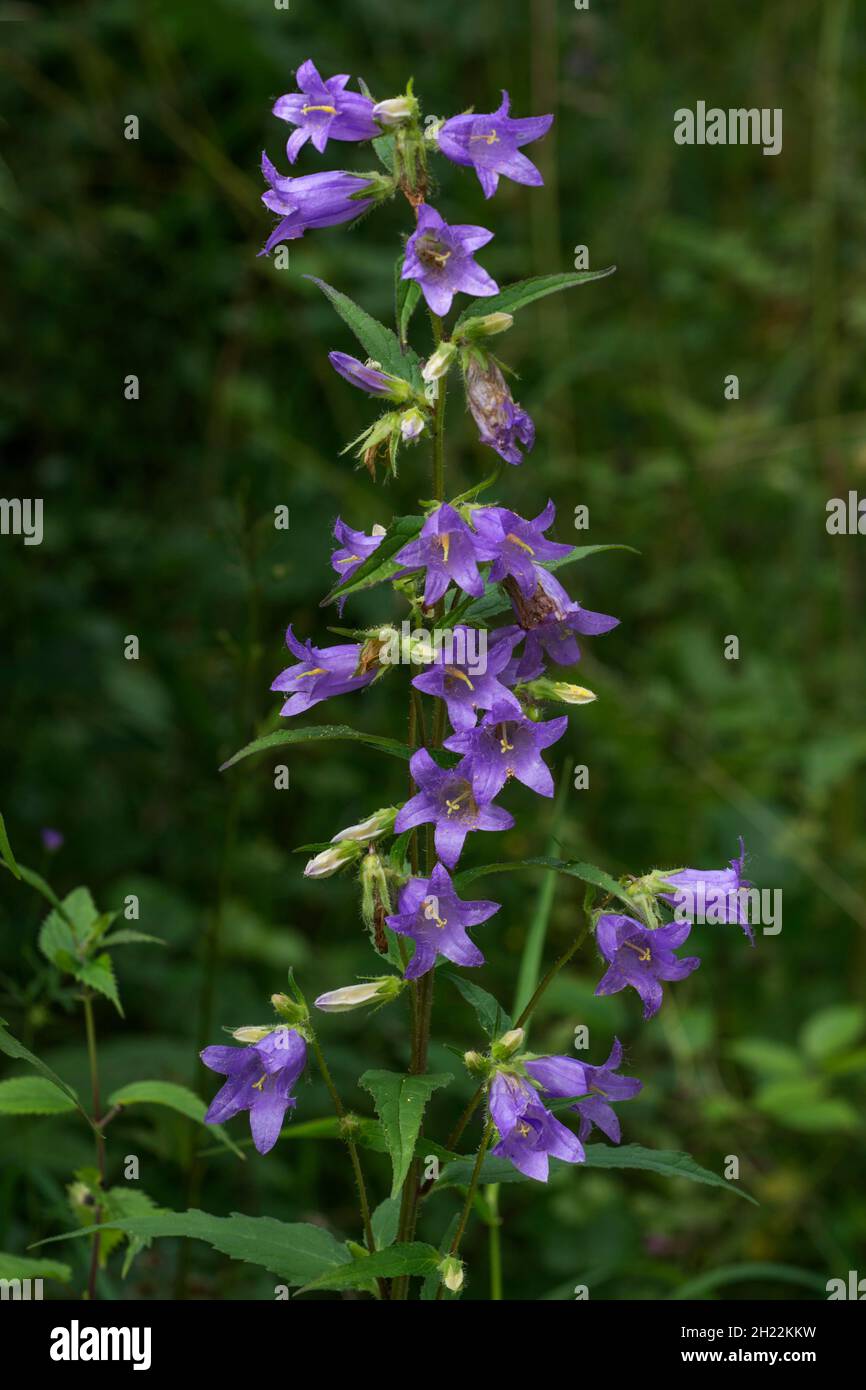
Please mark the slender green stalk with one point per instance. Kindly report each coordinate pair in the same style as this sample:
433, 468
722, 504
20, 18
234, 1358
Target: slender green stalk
470, 1195
495, 1224
99, 1136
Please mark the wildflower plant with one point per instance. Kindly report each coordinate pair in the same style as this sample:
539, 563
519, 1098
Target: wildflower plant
486, 708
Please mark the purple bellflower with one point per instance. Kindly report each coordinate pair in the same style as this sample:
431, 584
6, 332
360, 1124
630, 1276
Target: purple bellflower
506, 745
260, 1079
467, 690
52, 840
370, 379
515, 545
313, 200
440, 258
436, 919
355, 547
565, 1076
320, 673
502, 422
446, 548
323, 111
490, 144
641, 957
528, 1132
711, 894
451, 800
551, 619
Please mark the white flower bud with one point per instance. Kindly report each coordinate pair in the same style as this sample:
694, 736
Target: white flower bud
341, 1001
411, 424
331, 860
250, 1034
395, 110
451, 1270
438, 362
378, 824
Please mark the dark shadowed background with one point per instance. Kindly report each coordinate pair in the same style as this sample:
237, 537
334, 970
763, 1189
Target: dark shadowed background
139, 257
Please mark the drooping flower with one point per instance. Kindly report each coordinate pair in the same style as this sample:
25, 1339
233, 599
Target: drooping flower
506, 745
313, 200
565, 1076
431, 913
446, 549
260, 1079
440, 258
529, 1134
369, 378
515, 545
468, 685
641, 957
491, 145
323, 111
450, 799
355, 547
502, 422
711, 894
550, 619
320, 673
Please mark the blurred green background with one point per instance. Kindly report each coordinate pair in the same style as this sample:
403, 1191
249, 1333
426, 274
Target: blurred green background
139, 257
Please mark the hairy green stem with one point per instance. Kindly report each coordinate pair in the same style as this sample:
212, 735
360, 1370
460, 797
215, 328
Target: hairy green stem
99, 1136
470, 1195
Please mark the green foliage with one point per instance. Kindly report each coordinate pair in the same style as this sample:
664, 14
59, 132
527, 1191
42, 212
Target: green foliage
400, 1101
524, 292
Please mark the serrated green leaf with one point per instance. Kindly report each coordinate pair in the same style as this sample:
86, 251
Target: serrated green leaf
174, 1097
380, 343
320, 733
667, 1162
6, 851
490, 1013
19, 1053
296, 1253
378, 567
400, 1101
409, 1258
524, 292
98, 974
33, 1095
21, 1267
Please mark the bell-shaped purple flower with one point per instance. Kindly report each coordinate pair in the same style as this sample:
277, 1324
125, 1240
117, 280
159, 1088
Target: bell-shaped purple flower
431, 913
260, 1079
323, 111
551, 619
491, 145
314, 200
446, 549
355, 547
502, 422
320, 673
451, 800
711, 894
468, 685
507, 744
528, 1132
370, 379
565, 1076
641, 957
515, 545
440, 258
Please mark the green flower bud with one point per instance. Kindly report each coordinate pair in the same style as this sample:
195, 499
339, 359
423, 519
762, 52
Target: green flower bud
564, 691
506, 1046
289, 1011
487, 326
378, 824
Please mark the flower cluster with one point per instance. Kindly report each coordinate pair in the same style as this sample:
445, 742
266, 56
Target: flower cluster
459, 564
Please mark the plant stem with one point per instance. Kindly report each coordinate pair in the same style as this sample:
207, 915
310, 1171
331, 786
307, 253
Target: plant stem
98, 1135
495, 1243
470, 1195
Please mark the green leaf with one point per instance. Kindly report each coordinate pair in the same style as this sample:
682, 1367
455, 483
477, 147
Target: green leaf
174, 1097
490, 1013
16, 1050
296, 1253
320, 733
384, 148
98, 974
832, 1030
378, 567
766, 1057
667, 1162
33, 1095
749, 1274
411, 1258
408, 293
524, 292
380, 343
21, 1267
6, 851
385, 1221
129, 938
588, 873
400, 1102
494, 601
